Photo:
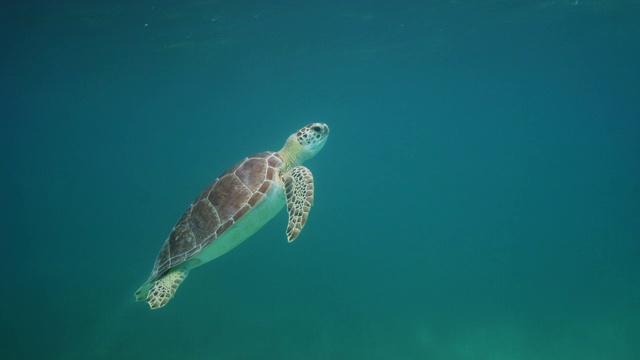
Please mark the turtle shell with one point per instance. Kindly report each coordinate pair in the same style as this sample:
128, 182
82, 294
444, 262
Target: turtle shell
229, 197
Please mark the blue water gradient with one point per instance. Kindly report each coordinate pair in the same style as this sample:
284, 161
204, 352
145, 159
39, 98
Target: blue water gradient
479, 196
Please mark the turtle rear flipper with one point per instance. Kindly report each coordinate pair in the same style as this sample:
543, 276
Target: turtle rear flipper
164, 288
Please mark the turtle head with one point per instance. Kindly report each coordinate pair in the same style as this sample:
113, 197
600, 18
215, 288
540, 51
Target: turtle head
304, 143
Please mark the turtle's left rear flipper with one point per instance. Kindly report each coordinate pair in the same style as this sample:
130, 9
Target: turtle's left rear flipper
164, 288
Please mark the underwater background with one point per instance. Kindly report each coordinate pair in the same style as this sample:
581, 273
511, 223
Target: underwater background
478, 198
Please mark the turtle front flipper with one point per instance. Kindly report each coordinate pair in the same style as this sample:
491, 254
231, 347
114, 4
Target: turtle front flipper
164, 288
298, 188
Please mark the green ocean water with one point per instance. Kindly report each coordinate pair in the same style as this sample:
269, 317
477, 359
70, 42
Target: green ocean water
478, 198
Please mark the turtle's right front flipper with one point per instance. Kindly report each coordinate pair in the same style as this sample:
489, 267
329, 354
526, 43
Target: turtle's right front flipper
298, 188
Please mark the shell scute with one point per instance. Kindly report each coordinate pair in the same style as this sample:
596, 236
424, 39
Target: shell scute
255, 198
251, 173
228, 196
271, 174
274, 161
203, 221
265, 187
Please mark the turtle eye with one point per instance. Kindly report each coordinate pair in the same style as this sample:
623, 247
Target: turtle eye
316, 129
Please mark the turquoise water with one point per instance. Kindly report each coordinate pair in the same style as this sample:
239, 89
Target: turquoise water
478, 198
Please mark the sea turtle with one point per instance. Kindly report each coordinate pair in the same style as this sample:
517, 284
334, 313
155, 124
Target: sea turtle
233, 207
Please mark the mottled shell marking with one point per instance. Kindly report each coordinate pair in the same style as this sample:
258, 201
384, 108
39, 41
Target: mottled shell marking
221, 204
